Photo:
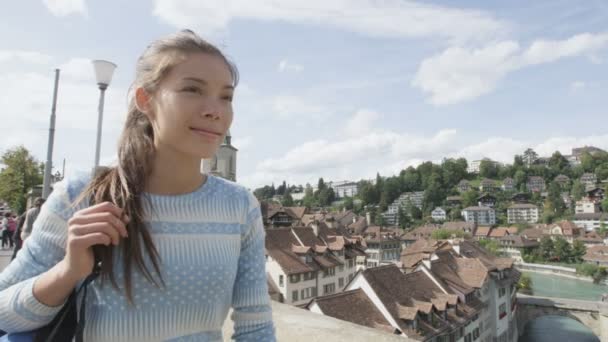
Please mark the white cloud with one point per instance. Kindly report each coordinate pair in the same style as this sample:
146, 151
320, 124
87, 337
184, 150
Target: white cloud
30, 57
62, 8
78, 69
459, 74
496, 148
285, 66
388, 18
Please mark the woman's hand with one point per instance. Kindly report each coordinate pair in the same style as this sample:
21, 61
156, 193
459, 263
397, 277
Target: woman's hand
101, 224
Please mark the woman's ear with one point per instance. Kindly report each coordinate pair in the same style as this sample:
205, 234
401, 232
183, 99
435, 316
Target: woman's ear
143, 101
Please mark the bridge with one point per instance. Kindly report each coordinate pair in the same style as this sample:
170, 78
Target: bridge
593, 315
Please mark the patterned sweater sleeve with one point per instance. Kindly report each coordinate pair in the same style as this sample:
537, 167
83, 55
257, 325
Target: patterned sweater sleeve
252, 314
19, 309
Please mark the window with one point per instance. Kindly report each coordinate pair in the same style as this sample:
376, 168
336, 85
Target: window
281, 280
329, 288
308, 276
308, 292
294, 296
502, 311
468, 338
329, 272
294, 278
502, 291
351, 263
475, 334
341, 268
341, 282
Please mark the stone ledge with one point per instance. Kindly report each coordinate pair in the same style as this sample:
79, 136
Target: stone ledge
294, 324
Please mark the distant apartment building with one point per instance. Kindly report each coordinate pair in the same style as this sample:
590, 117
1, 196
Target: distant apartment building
508, 184
344, 189
391, 216
475, 165
523, 213
482, 216
589, 180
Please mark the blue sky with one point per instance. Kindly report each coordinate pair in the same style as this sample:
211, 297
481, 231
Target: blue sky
335, 89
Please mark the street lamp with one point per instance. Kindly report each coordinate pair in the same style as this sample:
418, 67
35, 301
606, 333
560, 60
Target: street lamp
103, 74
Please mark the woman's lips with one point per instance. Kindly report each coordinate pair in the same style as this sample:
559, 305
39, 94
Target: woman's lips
205, 133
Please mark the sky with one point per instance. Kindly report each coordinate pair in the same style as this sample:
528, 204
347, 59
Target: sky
329, 88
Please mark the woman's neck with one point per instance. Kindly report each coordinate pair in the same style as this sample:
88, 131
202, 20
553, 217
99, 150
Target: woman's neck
174, 174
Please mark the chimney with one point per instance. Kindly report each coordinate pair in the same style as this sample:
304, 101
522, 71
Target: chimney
315, 227
368, 217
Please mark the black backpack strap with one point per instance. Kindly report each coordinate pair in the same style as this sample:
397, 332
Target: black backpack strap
82, 314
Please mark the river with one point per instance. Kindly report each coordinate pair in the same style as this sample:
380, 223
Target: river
555, 328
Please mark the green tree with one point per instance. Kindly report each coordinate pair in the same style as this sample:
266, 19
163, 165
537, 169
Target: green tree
578, 251
558, 163
413, 211
546, 248
562, 250
309, 198
368, 193
21, 173
287, 200
520, 178
469, 198
491, 246
578, 190
453, 171
602, 171
434, 194
488, 169
410, 179
587, 162
556, 200
530, 157
524, 285
404, 219
348, 203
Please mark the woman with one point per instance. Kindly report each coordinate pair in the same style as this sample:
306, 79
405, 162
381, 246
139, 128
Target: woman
6, 238
179, 247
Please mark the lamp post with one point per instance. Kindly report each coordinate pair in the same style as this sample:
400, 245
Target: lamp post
48, 166
103, 74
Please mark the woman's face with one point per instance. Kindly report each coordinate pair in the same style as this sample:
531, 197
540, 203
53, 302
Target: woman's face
191, 111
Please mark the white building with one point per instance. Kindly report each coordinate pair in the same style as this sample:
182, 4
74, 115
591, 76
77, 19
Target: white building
223, 164
345, 189
587, 207
382, 250
482, 216
391, 216
523, 213
307, 262
590, 221
439, 214
474, 166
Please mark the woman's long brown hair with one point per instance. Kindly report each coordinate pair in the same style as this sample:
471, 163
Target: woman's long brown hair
124, 184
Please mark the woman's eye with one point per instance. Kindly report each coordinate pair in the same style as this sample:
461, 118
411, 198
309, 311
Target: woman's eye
192, 90
227, 98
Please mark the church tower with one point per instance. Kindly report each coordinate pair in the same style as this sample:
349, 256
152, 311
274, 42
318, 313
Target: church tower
223, 164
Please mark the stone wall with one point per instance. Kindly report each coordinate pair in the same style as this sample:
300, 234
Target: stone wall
294, 324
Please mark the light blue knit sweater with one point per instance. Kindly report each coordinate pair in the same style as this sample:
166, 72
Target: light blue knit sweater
211, 244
